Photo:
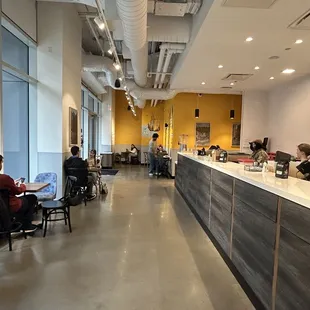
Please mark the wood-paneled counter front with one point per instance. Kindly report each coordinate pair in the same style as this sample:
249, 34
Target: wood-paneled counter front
260, 222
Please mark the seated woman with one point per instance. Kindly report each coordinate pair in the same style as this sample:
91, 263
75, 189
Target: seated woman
132, 153
22, 208
94, 165
259, 153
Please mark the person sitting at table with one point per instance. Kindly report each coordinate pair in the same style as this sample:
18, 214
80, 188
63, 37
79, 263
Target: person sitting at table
259, 153
161, 152
22, 208
76, 162
132, 153
93, 164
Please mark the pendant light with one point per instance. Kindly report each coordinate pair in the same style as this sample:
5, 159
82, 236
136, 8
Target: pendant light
232, 111
197, 109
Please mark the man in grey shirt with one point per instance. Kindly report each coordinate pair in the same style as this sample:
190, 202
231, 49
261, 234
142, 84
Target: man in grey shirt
152, 154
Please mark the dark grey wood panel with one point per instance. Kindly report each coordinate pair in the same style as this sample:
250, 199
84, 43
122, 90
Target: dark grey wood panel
222, 180
220, 222
259, 199
296, 219
253, 249
203, 207
293, 285
204, 174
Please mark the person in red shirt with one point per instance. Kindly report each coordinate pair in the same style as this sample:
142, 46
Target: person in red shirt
22, 208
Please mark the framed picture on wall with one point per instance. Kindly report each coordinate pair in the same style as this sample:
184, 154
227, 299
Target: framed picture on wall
202, 134
73, 126
236, 132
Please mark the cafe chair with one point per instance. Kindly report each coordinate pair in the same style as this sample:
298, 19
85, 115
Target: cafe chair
48, 193
80, 184
8, 224
61, 207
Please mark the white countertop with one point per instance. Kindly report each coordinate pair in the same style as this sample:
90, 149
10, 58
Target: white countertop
292, 189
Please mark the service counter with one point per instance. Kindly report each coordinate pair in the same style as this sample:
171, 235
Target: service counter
261, 224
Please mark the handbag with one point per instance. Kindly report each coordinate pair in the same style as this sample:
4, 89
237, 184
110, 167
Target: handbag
103, 189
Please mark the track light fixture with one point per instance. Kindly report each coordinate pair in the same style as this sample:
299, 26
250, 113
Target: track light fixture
117, 66
99, 23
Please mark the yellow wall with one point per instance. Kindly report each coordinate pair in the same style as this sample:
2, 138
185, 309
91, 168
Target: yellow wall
127, 126
214, 109
158, 113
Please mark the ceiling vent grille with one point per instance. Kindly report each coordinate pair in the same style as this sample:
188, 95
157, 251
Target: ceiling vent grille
226, 87
237, 77
302, 23
250, 4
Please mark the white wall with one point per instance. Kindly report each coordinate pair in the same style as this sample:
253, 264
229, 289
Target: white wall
288, 115
23, 14
254, 118
72, 64
49, 60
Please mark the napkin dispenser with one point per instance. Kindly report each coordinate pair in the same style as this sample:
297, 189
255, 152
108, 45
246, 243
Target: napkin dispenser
223, 157
283, 165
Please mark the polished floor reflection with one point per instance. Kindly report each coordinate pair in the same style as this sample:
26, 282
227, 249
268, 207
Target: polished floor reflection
138, 249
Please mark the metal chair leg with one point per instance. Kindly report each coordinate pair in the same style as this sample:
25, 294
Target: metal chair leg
10, 241
45, 222
69, 219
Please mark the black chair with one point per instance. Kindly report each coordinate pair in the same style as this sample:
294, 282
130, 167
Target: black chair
79, 186
8, 224
61, 206
135, 160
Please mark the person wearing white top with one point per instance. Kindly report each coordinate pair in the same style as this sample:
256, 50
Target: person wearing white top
132, 153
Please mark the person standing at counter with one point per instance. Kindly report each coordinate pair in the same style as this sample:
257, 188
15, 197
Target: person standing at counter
259, 152
152, 154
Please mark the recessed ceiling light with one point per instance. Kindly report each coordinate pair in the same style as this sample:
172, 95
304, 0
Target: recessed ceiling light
249, 39
298, 41
256, 68
203, 83
220, 66
271, 78
288, 71
232, 83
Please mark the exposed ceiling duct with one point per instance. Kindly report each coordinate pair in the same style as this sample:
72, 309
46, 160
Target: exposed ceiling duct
92, 63
133, 14
91, 81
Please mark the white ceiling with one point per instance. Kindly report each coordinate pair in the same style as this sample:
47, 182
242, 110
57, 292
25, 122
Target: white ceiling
221, 40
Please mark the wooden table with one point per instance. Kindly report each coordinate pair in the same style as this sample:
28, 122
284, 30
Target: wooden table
35, 187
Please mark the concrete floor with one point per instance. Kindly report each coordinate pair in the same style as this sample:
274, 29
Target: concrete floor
138, 249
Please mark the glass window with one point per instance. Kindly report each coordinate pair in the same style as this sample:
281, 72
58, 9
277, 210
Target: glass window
91, 103
15, 96
14, 51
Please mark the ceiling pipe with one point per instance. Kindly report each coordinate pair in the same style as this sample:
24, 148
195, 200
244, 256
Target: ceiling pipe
133, 14
171, 48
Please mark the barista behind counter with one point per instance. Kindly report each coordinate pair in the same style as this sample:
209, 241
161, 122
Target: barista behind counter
303, 153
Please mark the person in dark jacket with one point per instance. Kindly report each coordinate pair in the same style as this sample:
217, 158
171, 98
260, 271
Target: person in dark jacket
22, 208
76, 162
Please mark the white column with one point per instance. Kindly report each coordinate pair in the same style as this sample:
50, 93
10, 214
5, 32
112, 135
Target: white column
254, 122
1, 108
59, 87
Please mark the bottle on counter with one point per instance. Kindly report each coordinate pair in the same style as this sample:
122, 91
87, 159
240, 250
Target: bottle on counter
213, 155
